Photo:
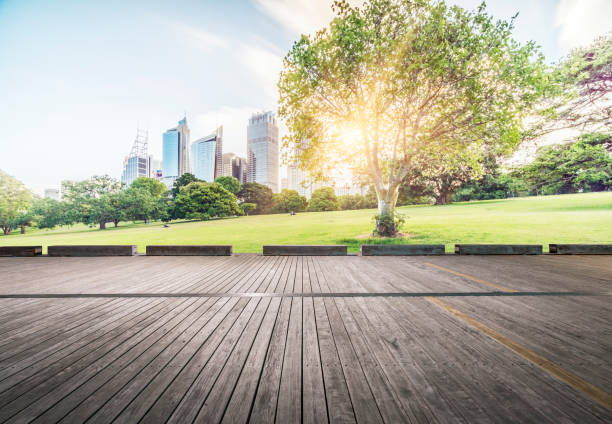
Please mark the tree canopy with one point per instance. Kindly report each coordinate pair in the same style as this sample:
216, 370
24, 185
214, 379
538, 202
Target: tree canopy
585, 165
323, 199
289, 201
259, 194
582, 96
202, 200
231, 184
397, 77
155, 187
15, 199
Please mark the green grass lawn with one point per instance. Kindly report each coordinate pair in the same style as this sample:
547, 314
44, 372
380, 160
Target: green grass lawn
573, 218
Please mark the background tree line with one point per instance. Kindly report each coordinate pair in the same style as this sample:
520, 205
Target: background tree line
584, 165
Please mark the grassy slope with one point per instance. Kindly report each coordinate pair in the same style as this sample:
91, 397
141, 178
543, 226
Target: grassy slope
578, 218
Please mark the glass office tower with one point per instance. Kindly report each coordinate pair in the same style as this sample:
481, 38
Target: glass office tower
175, 158
207, 156
203, 158
262, 150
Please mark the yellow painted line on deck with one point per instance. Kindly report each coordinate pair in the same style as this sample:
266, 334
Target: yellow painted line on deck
553, 369
478, 280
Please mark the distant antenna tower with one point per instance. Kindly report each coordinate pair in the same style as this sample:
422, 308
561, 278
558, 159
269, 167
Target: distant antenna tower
141, 144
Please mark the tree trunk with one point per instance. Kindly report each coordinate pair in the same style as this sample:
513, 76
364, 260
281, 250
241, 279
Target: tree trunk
22, 229
116, 222
442, 199
102, 225
385, 222
6, 230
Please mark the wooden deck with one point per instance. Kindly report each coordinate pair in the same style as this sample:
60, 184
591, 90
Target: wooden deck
306, 339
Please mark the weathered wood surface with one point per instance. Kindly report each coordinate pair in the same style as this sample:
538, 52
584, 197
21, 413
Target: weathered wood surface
331, 354
498, 249
189, 250
92, 250
20, 250
304, 250
401, 249
581, 249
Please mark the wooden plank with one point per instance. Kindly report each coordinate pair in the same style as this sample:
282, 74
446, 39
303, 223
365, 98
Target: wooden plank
189, 406
339, 402
70, 340
127, 384
314, 408
245, 361
289, 405
167, 401
266, 398
37, 381
242, 400
69, 395
55, 392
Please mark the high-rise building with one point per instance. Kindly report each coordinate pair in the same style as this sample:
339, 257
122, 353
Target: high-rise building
136, 164
262, 150
155, 168
175, 159
203, 158
226, 168
234, 166
52, 193
284, 184
207, 156
239, 169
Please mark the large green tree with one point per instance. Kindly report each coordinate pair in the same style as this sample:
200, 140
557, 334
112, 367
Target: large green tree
50, 213
259, 194
289, 201
15, 199
94, 201
323, 199
393, 77
202, 200
582, 95
155, 187
585, 165
231, 184
182, 181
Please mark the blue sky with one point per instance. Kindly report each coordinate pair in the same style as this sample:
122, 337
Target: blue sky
78, 77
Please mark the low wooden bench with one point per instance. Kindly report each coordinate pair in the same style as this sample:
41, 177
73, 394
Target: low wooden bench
20, 250
190, 250
401, 249
305, 250
580, 249
498, 249
92, 250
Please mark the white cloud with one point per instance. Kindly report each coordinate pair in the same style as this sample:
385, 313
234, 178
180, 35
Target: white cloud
300, 16
580, 21
265, 64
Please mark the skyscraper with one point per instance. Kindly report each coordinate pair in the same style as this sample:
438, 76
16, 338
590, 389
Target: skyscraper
136, 164
239, 169
203, 158
207, 156
226, 168
155, 168
262, 150
234, 166
175, 159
